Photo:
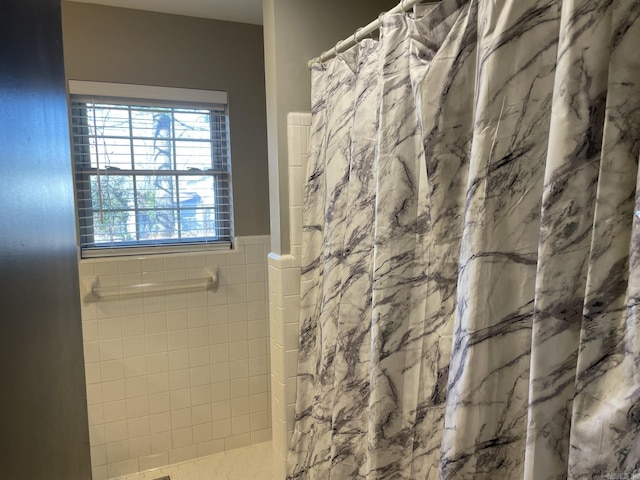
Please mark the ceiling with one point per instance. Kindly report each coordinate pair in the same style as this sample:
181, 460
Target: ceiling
245, 11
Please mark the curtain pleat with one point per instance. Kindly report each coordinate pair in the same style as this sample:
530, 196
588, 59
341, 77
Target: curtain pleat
568, 203
605, 423
489, 373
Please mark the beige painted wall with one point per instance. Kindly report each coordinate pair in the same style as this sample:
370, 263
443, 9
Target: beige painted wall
296, 31
131, 46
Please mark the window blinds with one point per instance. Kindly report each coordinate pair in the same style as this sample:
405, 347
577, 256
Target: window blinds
151, 174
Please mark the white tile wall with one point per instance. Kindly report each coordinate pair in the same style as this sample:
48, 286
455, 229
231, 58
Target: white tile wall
178, 376
284, 298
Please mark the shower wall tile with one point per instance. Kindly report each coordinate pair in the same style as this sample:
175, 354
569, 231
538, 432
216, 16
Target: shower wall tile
284, 298
176, 376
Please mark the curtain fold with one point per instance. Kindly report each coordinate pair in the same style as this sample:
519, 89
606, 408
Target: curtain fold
605, 422
470, 233
566, 225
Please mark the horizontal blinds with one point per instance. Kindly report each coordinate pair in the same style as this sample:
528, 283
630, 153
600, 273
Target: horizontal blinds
150, 175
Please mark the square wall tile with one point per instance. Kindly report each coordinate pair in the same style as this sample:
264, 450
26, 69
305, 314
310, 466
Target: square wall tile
150, 462
163, 371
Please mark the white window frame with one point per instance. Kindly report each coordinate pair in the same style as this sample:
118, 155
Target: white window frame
141, 93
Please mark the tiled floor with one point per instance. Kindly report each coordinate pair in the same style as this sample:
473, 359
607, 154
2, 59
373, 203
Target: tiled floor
248, 463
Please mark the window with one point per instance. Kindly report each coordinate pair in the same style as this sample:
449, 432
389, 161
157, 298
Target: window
151, 174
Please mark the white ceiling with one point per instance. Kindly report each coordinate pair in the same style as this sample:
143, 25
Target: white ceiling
245, 11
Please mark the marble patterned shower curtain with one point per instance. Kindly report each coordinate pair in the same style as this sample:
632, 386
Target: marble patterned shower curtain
470, 273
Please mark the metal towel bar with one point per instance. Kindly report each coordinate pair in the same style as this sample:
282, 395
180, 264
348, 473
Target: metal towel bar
92, 291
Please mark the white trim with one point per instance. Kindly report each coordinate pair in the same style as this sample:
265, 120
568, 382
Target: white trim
146, 92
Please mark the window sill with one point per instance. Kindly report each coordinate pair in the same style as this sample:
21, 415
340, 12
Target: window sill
144, 251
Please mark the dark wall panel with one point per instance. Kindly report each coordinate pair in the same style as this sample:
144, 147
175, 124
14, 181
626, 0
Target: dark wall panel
107, 44
43, 413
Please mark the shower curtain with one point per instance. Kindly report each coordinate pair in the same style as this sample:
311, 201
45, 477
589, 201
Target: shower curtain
470, 265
